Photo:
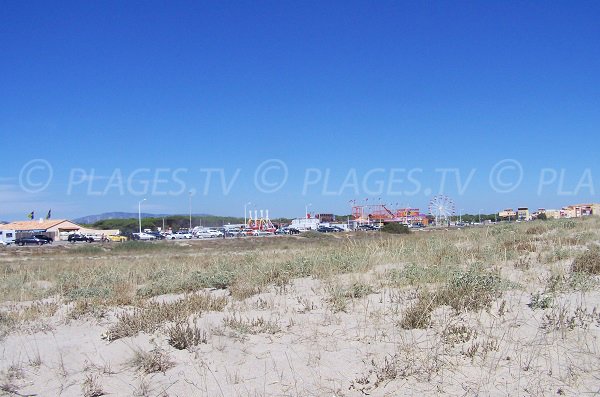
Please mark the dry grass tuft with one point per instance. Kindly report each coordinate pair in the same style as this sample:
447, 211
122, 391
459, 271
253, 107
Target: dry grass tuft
85, 308
418, 316
251, 326
469, 290
153, 316
184, 336
91, 387
156, 360
588, 262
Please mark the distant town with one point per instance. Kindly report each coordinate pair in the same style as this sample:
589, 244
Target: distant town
257, 223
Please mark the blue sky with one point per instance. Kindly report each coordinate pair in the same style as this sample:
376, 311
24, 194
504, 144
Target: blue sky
133, 100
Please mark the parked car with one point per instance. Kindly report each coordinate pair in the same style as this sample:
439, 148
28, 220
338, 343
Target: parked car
180, 236
326, 229
80, 237
366, 227
157, 235
29, 240
208, 233
117, 238
48, 239
143, 236
292, 230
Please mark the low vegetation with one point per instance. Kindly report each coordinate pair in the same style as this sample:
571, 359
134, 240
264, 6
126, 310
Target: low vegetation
156, 360
185, 336
152, 316
588, 262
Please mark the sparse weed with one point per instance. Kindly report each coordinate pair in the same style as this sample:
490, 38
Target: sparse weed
540, 301
468, 290
587, 262
156, 360
91, 386
413, 274
561, 319
457, 334
85, 308
251, 326
418, 315
184, 336
153, 316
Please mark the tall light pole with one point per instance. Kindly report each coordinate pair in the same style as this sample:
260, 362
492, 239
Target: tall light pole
245, 209
140, 213
306, 210
460, 215
190, 229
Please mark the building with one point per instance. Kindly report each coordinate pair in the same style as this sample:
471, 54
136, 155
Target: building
550, 214
523, 214
508, 213
579, 210
325, 217
58, 229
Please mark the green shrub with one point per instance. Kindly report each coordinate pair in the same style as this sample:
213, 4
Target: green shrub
395, 228
313, 234
540, 301
470, 290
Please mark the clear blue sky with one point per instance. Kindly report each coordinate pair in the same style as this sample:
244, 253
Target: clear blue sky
115, 87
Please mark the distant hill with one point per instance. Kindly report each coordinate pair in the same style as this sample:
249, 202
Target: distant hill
90, 219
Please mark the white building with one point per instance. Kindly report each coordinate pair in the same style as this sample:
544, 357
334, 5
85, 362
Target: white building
305, 223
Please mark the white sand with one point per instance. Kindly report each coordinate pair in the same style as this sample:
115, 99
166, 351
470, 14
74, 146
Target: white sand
321, 353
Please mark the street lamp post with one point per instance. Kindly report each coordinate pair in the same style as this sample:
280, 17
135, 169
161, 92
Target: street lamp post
190, 229
140, 213
245, 207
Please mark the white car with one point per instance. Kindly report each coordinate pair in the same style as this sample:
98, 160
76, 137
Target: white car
262, 233
143, 236
179, 236
208, 233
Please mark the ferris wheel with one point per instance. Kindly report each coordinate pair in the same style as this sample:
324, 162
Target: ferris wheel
442, 208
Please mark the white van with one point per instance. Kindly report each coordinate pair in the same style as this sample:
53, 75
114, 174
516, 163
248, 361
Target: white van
7, 237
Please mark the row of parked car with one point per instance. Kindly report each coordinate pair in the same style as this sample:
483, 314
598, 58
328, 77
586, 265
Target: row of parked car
35, 239
209, 233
